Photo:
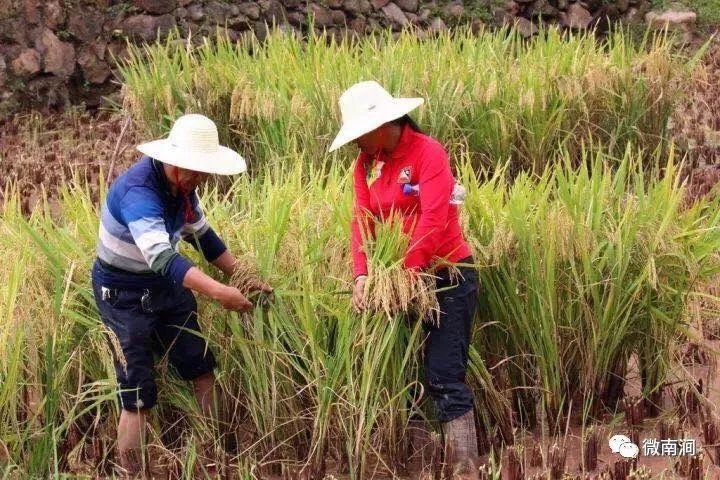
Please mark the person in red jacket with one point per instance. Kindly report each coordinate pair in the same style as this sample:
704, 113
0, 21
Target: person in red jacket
401, 170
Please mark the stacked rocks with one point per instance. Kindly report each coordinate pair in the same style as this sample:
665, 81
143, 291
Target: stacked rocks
55, 51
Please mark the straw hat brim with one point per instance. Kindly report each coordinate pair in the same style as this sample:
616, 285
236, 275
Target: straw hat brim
223, 161
359, 126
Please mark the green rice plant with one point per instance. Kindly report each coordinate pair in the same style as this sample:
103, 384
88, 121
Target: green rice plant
581, 269
532, 101
581, 266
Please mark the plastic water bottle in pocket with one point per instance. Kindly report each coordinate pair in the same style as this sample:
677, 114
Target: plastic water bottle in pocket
458, 195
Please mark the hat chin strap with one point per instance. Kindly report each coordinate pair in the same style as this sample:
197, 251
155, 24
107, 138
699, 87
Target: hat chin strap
381, 136
185, 192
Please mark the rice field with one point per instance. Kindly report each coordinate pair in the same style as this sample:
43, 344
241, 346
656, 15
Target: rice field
589, 258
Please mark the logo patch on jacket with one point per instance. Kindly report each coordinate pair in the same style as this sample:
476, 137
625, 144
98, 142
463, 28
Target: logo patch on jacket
404, 176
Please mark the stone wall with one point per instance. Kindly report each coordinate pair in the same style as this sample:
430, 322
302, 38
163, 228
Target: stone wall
57, 52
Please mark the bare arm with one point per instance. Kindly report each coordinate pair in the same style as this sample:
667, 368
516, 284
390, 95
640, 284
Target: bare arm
229, 297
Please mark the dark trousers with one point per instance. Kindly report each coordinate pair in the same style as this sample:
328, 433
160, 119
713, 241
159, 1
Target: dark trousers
149, 323
446, 345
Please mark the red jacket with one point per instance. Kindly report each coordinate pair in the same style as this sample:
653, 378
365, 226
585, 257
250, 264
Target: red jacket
418, 160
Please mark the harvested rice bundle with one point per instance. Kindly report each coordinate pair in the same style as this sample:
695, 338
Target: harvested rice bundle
390, 288
247, 274
247, 279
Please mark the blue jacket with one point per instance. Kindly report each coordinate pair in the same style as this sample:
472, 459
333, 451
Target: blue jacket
141, 224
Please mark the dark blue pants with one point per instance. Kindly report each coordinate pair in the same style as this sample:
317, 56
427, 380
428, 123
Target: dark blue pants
147, 322
446, 345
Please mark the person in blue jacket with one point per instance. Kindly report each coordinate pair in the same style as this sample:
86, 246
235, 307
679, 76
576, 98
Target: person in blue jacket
143, 286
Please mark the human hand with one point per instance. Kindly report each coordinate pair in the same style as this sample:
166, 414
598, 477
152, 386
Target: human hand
358, 298
232, 299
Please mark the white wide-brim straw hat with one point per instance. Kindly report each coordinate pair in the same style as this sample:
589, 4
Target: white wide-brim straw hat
193, 145
365, 106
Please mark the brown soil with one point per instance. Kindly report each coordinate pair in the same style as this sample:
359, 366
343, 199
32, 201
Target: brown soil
41, 152
657, 467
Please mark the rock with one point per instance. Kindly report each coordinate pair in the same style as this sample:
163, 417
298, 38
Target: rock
147, 28
334, 4
453, 10
477, 26
54, 14
85, 24
671, 18
358, 25
8, 8
408, 5
542, 9
296, 19
425, 15
229, 33
634, 16
591, 5
250, 10
338, 17
59, 55
412, 18
293, 4
351, 6
273, 12
13, 30
32, 12
501, 17
378, 4
196, 12
184, 3
374, 25
261, 30
3, 72
623, 5
27, 63
525, 27
217, 12
156, 7
437, 25
240, 22
94, 69
512, 7
322, 17
394, 14
604, 17
576, 17
562, 4
181, 13
365, 6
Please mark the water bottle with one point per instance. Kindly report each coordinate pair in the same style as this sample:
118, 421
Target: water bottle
458, 195
457, 198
